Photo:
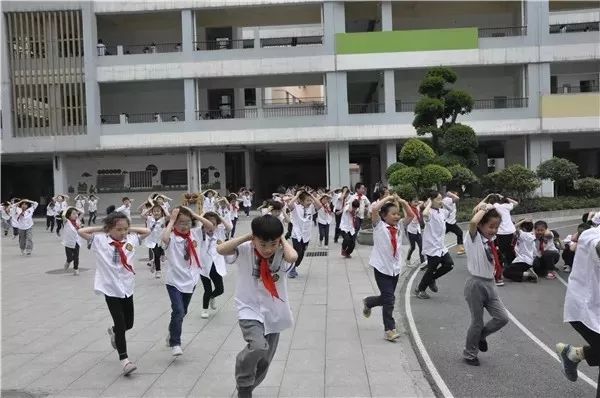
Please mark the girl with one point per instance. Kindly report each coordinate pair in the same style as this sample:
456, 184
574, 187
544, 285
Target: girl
339, 204
125, 208
214, 264
546, 252
504, 206
155, 221
483, 258
209, 201
80, 206
163, 201
24, 217
303, 206
93, 209
386, 259
414, 231
246, 202
4, 210
113, 246
521, 269
181, 239
348, 228
324, 219
60, 206
224, 224
50, 216
70, 239
234, 207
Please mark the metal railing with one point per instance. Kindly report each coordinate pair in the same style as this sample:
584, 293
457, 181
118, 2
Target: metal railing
242, 113
152, 48
226, 44
403, 106
488, 103
575, 27
503, 31
373, 107
157, 117
291, 41
575, 89
109, 119
292, 99
295, 110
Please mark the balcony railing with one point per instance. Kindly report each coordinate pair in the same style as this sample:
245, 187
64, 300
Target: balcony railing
503, 31
291, 41
152, 48
223, 44
575, 27
372, 107
157, 117
242, 113
491, 103
295, 110
575, 89
292, 99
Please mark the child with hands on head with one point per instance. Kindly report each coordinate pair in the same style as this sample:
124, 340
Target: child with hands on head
302, 206
70, 239
156, 220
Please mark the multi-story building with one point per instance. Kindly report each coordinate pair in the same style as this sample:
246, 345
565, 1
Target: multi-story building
130, 97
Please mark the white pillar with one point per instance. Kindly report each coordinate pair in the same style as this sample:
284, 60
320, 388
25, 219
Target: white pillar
193, 170
92, 89
187, 31
6, 99
334, 21
189, 94
256, 31
388, 154
386, 16
540, 150
389, 88
339, 164
59, 174
248, 167
259, 102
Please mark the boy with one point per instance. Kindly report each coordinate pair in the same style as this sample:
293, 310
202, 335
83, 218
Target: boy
125, 208
521, 268
360, 194
263, 258
450, 202
303, 206
546, 252
570, 243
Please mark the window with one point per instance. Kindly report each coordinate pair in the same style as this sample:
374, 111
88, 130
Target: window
140, 179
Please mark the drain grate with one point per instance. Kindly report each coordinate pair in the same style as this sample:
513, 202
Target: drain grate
316, 254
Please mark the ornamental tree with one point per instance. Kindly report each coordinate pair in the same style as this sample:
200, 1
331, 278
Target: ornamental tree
562, 171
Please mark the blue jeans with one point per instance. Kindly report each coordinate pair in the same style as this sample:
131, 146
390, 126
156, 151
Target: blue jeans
179, 306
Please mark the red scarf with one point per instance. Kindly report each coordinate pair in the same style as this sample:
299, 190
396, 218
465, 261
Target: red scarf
497, 263
541, 245
265, 275
417, 213
119, 246
190, 246
394, 238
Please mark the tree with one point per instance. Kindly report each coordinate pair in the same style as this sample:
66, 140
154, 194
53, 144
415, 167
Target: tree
393, 167
407, 176
588, 187
517, 181
434, 174
559, 170
415, 152
461, 176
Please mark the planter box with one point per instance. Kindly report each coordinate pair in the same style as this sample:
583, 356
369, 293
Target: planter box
365, 237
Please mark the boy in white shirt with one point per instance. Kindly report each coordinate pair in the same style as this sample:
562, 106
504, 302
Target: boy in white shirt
80, 206
60, 205
24, 217
324, 219
339, 203
246, 202
546, 252
209, 201
125, 208
521, 269
450, 202
70, 239
50, 214
303, 206
92, 209
263, 258
360, 194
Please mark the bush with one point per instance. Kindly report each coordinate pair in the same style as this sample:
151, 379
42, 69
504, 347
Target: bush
461, 176
406, 176
588, 187
558, 170
516, 181
415, 152
434, 174
393, 167
405, 191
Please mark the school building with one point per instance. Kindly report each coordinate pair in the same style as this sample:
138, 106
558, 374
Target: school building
125, 98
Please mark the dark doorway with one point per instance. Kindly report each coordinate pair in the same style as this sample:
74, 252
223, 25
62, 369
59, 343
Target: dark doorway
28, 180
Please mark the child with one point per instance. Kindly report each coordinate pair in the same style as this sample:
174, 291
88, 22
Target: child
450, 202
261, 296
125, 208
224, 214
360, 194
277, 210
303, 206
570, 244
80, 206
163, 201
348, 229
546, 252
234, 206
246, 202
4, 211
60, 206
582, 305
155, 222
522, 266
70, 239
213, 269
113, 246
324, 219
507, 228
414, 231
483, 258
339, 203
386, 259
209, 201
50, 214
93, 209
180, 239
24, 216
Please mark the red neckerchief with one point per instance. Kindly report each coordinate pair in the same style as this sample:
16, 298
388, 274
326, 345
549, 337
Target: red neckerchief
265, 275
74, 224
190, 246
119, 246
394, 237
497, 263
360, 197
417, 213
326, 208
541, 248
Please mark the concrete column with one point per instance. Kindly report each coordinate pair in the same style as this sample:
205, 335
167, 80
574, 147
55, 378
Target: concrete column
537, 21
333, 21
249, 167
187, 31
339, 164
202, 100
189, 93
6, 96
386, 16
515, 151
388, 154
257, 37
539, 149
336, 96
259, 101
193, 170
538, 84
92, 89
389, 88
59, 174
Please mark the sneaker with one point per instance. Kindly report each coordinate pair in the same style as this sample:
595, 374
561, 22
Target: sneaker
472, 361
391, 335
366, 310
66, 266
500, 282
244, 392
532, 273
566, 268
569, 367
75, 272
460, 250
204, 314
433, 287
176, 351
530, 276
421, 295
483, 346
551, 275
128, 368
326, 247
293, 273
28, 253
157, 274
113, 342
149, 264
22, 252
213, 303
344, 253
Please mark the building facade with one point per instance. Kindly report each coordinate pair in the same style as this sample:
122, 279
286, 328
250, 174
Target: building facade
125, 98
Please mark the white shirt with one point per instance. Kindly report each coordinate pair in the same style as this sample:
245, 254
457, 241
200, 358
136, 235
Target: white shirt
450, 205
80, 206
252, 299
224, 213
582, 301
92, 205
5, 215
548, 245
433, 235
112, 278
180, 273
338, 202
209, 256
125, 210
525, 248
506, 225
480, 258
25, 218
50, 211
413, 226
247, 200
156, 228
234, 211
70, 237
364, 205
302, 222
209, 204
347, 221
166, 207
60, 207
323, 216
382, 255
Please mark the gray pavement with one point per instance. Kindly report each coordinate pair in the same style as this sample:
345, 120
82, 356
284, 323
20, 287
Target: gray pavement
54, 340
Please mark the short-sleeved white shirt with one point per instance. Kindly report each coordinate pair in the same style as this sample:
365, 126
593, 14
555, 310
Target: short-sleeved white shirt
323, 216
363, 208
60, 207
125, 210
548, 245
209, 255
156, 228
209, 204
414, 227
252, 299
112, 278
234, 211
506, 225
225, 213
347, 221
25, 218
434, 233
478, 262
80, 206
50, 211
247, 200
92, 205
70, 237
302, 222
180, 273
582, 301
5, 215
450, 205
338, 202
525, 248
382, 255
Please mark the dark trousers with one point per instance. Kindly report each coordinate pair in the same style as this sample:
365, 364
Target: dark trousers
314, 218
455, 229
247, 210
348, 242
179, 307
300, 248
387, 287
436, 267
92, 217
324, 233
157, 253
289, 231
568, 256
506, 248
73, 255
121, 311
233, 223
591, 352
514, 271
209, 292
338, 231
50, 223
15, 231
59, 224
415, 239
543, 265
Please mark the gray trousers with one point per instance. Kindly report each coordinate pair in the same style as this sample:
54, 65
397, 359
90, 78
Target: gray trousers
481, 293
26, 239
253, 361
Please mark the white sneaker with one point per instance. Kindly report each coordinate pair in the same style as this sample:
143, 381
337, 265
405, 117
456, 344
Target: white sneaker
566, 268
204, 314
326, 247
213, 303
176, 351
157, 275
128, 368
75, 272
67, 264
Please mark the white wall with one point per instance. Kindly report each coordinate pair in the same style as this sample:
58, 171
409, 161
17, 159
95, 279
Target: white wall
142, 97
265, 32
217, 160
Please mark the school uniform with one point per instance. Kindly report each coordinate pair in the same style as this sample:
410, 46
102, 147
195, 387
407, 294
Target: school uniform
24, 220
363, 208
93, 210
213, 268
546, 255
387, 263
80, 206
115, 279
50, 214
568, 255
234, 209
338, 207
301, 229
451, 225
524, 255
5, 220
125, 210
182, 276
263, 311
208, 204
225, 214
70, 240
348, 230
154, 240
506, 231
246, 203
324, 219
434, 248
12, 211
414, 235
480, 291
59, 209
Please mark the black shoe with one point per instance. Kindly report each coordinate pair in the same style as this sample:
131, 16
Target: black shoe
472, 362
433, 287
244, 392
483, 347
